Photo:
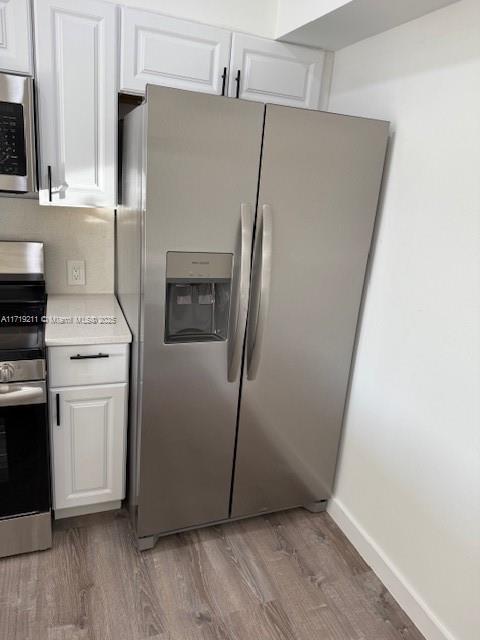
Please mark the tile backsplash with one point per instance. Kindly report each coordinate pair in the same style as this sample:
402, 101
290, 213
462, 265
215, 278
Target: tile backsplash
68, 234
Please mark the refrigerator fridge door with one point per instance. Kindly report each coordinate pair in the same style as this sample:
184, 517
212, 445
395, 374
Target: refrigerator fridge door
319, 186
202, 166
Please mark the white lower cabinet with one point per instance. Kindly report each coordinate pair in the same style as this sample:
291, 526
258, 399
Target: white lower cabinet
88, 438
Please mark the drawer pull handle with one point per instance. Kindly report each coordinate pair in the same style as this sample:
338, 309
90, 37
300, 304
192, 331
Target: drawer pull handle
57, 402
89, 357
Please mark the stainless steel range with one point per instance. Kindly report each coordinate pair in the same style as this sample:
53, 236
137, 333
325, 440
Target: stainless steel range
25, 520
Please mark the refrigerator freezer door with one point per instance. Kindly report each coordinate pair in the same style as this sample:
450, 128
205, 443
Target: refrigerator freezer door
202, 164
319, 186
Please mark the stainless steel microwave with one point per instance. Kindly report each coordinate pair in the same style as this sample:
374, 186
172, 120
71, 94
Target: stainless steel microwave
17, 135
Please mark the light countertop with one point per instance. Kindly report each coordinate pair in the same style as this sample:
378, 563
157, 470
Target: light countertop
85, 319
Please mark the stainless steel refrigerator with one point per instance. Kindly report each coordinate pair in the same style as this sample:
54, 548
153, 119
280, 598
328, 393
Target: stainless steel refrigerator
242, 244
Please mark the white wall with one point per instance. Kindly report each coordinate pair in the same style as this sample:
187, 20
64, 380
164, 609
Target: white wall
253, 16
291, 15
409, 474
339, 23
68, 234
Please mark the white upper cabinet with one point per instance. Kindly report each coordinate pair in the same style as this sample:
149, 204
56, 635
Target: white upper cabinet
76, 60
275, 72
15, 37
157, 49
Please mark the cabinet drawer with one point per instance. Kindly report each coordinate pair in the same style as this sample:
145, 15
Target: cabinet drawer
87, 364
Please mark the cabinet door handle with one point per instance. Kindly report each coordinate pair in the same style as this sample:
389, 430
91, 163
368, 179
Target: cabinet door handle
224, 80
237, 80
49, 173
57, 400
89, 357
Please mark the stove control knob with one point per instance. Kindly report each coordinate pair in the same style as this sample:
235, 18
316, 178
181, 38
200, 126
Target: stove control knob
6, 371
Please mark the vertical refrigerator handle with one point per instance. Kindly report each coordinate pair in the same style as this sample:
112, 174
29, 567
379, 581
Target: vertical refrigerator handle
262, 267
240, 319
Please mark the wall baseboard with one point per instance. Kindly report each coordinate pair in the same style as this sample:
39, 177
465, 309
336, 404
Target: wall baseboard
403, 592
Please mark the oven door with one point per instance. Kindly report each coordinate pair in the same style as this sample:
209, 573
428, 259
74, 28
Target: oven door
24, 459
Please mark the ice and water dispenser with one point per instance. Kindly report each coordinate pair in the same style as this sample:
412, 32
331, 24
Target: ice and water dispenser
198, 296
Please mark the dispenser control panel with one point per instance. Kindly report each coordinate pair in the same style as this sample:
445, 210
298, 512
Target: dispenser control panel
208, 266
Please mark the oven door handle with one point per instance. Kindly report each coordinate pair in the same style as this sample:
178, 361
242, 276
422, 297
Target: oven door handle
20, 394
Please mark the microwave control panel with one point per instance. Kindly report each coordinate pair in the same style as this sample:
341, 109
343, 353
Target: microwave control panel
12, 140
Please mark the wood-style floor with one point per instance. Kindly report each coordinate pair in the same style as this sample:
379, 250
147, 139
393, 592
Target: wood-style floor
288, 576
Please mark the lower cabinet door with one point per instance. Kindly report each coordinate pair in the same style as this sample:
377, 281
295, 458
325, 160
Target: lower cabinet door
88, 429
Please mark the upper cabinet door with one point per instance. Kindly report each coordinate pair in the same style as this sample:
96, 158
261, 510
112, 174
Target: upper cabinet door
15, 37
160, 50
275, 72
76, 56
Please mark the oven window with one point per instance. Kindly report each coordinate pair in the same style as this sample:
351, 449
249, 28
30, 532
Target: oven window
13, 160
24, 462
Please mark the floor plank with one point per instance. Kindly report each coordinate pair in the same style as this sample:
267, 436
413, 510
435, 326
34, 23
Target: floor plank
286, 576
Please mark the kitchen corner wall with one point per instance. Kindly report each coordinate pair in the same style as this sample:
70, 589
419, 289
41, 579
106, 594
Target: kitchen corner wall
251, 16
68, 234
408, 483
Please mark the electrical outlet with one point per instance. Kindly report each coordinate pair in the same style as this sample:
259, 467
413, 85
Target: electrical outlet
75, 272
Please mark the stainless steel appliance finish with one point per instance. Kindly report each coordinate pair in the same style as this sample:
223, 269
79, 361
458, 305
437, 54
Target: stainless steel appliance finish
191, 179
28, 533
130, 268
16, 394
17, 134
199, 266
21, 257
190, 206
319, 185
25, 522
22, 370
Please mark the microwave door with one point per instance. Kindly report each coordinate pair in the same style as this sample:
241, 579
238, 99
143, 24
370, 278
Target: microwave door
17, 143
